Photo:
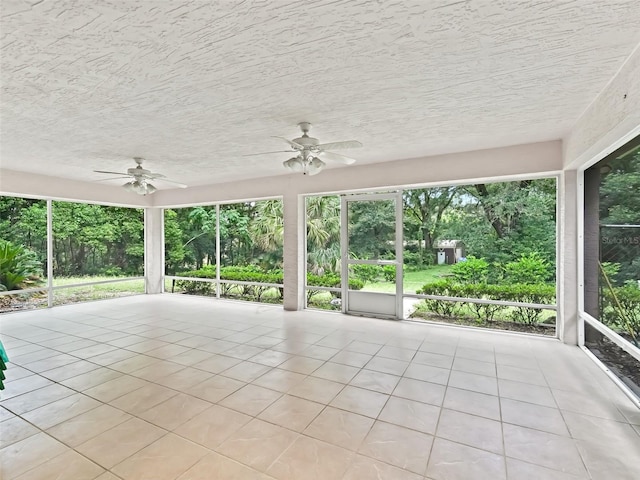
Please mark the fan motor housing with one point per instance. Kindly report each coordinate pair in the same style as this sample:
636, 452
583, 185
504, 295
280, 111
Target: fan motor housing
138, 171
306, 141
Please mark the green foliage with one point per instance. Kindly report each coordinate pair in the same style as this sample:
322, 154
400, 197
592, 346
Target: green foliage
173, 246
472, 270
443, 288
323, 234
498, 221
366, 273
372, 229
620, 205
329, 280
621, 310
249, 273
529, 293
522, 293
19, 267
254, 274
610, 269
415, 261
531, 268
389, 273
425, 211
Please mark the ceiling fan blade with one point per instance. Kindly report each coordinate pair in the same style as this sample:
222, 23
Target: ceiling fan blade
177, 184
266, 153
110, 173
295, 145
113, 178
154, 176
340, 145
336, 157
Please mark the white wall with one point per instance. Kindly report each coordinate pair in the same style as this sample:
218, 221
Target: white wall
499, 163
22, 184
611, 120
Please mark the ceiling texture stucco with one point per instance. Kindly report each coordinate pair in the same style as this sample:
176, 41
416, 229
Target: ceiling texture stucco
193, 86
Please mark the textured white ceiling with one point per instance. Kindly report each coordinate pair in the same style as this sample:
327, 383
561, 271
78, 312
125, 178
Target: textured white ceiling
192, 86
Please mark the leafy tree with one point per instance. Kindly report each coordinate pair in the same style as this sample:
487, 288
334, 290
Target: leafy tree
24, 222
371, 229
522, 216
96, 239
173, 245
620, 205
424, 210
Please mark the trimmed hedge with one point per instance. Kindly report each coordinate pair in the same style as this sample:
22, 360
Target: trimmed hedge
524, 293
253, 274
241, 274
329, 280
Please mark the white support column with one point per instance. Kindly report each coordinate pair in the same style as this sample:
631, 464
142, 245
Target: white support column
293, 254
154, 249
49, 253
568, 257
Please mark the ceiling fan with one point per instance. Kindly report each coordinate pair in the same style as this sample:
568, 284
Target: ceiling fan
310, 152
140, 179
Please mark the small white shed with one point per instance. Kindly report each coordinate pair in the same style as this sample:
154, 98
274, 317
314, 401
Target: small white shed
449, 251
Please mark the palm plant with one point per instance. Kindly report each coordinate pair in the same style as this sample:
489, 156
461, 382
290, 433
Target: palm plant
19, 267
323, 234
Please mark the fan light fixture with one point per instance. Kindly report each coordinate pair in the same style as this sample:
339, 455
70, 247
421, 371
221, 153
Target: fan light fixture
309, 166
140, 186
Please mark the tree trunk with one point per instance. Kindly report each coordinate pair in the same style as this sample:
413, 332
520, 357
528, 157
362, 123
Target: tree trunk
495, 222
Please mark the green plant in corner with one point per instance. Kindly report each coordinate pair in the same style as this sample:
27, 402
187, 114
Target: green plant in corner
19, 266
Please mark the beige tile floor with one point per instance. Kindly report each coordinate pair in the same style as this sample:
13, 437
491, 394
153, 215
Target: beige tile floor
169, 387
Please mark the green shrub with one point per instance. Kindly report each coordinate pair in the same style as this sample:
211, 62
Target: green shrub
472, 270
254, 274
331, 280
413, 260
366, 273
445, 288
529, 293
621, 310
112, 272
523, 293
249, 273
19, 266
529, 269
389, 273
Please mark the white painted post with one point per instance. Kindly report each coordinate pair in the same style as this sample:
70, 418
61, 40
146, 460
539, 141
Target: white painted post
293, 251
568, 278
154, 250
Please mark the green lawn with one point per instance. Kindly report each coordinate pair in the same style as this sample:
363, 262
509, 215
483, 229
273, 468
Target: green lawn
413, 280
82, 293
119, 286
